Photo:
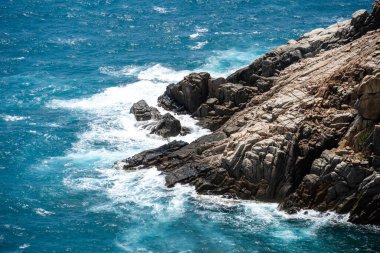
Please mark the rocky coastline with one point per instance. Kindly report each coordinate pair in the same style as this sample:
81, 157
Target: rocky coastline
299, 126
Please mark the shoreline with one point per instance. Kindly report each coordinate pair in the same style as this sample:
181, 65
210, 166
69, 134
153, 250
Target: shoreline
298, 126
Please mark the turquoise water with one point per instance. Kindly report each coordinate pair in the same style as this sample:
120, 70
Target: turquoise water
69, 72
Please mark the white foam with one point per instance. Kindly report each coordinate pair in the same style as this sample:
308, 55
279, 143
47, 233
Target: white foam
155, 73
194, 36
285, 235
223, 63
199, 45
24, 246
19, 58
6, 117
113, 132
114, 98
228, 33
160, 73
142, 189
162, 10
220, 63
124, 71
68, 41
43, 212
201, 29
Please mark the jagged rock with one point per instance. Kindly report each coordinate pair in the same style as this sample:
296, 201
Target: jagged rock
203, 110
214, 85
143, 111
339, 185
149, 157
167, 126
236, 94
360, 18
189, 93
181, 174
366, 208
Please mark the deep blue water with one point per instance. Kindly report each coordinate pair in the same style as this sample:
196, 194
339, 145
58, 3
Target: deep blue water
69, 72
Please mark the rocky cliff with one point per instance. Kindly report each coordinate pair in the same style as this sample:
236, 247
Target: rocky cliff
298, 126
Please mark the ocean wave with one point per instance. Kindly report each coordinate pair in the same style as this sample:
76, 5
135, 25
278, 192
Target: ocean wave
24, 246
162, 10
201, 29
114, 98
123, 71
43, 212
6, 117
223, 63
219, 63
156, 72
194, 35
68, 41
113, 133
199, 45
160, 73
236, 33
142, 189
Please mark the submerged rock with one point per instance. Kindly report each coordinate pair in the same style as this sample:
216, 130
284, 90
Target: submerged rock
167, 126
143, 111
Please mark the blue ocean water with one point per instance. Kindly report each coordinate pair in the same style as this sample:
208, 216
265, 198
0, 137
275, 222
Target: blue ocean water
69, 72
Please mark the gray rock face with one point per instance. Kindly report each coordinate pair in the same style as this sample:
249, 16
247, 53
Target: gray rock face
340, 184
188, 94
143, 111
167, 126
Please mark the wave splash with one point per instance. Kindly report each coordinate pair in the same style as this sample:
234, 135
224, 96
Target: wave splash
141, 196
220, 63
11, 118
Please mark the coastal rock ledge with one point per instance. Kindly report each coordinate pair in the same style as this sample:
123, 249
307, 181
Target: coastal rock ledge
299, 126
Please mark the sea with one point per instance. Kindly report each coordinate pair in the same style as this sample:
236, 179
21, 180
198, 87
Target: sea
69, 72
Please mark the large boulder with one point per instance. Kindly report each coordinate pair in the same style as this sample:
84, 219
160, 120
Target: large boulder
167, 126
143, 111
369, 97
188, 94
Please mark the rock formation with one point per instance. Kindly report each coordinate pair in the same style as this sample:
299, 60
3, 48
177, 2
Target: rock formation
143, 111
298, 126
165, 125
